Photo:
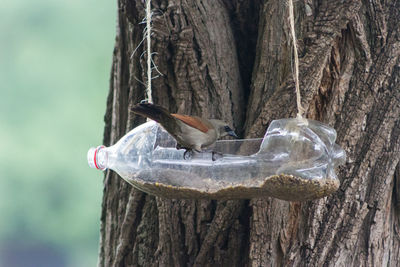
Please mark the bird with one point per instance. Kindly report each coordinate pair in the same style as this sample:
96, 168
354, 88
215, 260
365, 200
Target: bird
190, 132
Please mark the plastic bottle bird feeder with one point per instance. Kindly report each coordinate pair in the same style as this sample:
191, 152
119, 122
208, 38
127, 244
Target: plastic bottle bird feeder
294, 161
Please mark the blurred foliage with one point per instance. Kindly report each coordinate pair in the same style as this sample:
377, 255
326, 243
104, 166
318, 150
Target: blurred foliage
55, 60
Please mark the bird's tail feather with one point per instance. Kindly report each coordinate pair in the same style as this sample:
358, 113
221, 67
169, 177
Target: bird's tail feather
152, 111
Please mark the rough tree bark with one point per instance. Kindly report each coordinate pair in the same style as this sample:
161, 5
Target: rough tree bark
231, 59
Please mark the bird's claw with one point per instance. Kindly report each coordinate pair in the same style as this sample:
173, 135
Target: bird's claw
188, 154
216, 155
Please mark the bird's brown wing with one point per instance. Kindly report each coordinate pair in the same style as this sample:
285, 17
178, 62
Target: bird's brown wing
194, 122
172, 123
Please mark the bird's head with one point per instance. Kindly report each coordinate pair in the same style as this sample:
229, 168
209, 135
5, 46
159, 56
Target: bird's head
223, 128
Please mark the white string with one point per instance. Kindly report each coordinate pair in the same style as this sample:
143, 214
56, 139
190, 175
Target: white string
148, 35
300, 110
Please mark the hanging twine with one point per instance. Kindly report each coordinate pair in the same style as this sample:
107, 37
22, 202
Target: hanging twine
148, 34
300, 109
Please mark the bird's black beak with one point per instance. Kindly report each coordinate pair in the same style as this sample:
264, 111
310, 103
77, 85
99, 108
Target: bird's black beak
232, 133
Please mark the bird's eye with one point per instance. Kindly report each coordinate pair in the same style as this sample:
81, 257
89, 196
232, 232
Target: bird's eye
227, 129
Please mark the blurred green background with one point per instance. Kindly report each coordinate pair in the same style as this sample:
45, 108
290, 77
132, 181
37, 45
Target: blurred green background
55, 60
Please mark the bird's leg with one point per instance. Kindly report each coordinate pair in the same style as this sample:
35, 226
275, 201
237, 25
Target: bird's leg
188, 154
178, 146
216, 155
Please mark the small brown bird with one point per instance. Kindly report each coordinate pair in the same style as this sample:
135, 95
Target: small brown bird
190, 132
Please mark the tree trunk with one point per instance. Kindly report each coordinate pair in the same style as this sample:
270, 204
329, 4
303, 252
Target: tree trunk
231, 59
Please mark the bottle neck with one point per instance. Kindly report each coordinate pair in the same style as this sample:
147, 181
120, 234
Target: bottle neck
98, 157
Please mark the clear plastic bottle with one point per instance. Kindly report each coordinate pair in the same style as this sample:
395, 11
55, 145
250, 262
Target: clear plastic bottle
148, 155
